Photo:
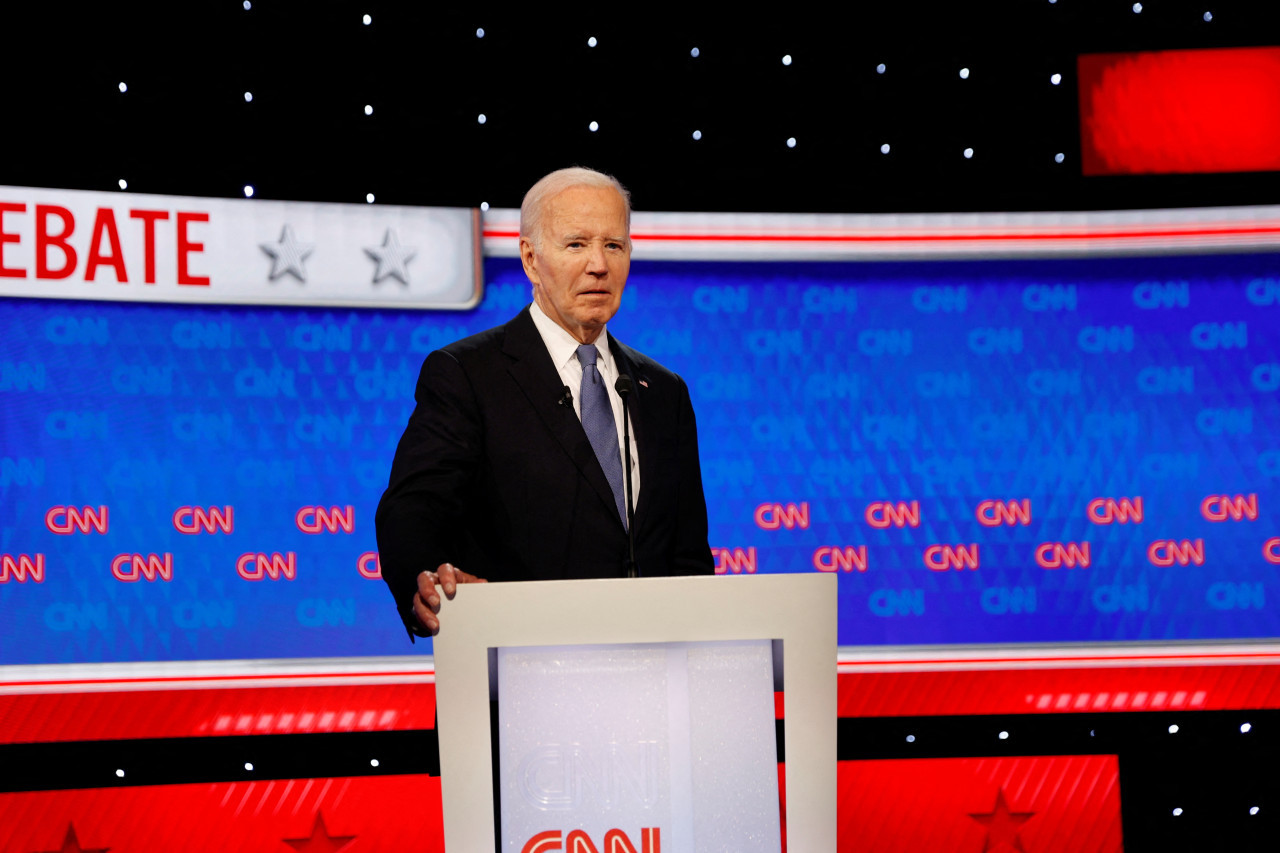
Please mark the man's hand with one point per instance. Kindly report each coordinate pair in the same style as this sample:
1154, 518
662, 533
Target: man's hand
426, 601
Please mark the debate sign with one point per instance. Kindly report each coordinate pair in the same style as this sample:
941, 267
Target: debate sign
67, 244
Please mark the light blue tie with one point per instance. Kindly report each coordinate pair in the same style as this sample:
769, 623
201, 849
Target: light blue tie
597, 420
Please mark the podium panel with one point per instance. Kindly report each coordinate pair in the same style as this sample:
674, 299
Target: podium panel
676, 739
640, 713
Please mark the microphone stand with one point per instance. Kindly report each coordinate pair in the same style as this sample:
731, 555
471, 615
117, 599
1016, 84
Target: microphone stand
623, 387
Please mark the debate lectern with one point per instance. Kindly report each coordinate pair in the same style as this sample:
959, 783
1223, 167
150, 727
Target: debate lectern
638, 715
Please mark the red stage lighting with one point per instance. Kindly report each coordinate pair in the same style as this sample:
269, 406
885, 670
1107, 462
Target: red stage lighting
1180, 111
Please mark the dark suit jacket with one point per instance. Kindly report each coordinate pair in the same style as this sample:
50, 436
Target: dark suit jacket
496, 476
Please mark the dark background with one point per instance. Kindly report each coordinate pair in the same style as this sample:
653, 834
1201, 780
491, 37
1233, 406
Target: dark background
183, 127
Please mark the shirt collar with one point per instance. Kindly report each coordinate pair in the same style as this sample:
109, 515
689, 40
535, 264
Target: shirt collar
563, 346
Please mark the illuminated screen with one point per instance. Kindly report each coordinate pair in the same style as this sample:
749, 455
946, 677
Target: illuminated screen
983, 451
1180, 111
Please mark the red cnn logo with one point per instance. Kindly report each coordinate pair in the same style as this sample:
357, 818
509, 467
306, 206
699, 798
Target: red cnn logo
735, 560
1270, 551
1057, 555
317, 519
256, 567
940, 558
615, 841
883, 514
132, 568
1166, 552
1112, 511
194, 519
21, 568
1224, 507
773, 516
372, 572
996, 513
68, 519
829, 558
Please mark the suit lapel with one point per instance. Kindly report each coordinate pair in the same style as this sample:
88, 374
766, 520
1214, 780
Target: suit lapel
535, 374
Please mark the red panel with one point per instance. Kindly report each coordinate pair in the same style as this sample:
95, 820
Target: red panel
1049, 691
397, 707
353, 814
1179, 111
216, 711
1049, 804
1048, 234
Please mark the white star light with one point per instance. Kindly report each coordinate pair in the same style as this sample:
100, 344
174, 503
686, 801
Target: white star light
392, 258
287, 256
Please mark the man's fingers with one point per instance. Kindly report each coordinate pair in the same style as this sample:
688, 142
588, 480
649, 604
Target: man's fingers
446, 577
449, 579
426, 616
427, 590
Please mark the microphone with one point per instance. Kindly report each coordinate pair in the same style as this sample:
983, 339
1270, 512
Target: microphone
623, 386
566, 398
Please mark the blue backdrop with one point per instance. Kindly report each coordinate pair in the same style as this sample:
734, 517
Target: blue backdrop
820, 389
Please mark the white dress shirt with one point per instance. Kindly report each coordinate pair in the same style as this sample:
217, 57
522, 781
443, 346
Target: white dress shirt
563, 348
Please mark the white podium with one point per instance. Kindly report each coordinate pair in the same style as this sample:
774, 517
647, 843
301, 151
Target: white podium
638, 716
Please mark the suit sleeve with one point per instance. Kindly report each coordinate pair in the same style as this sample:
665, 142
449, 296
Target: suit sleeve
693, 556
432, 473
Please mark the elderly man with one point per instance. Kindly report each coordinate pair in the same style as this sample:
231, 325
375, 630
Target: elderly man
510, 467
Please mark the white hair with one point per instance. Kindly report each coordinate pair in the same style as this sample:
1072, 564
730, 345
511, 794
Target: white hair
535, 200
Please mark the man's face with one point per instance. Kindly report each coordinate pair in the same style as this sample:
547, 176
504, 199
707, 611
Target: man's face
580, 266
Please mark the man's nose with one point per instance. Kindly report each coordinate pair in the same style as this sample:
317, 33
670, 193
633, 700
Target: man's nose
596, 264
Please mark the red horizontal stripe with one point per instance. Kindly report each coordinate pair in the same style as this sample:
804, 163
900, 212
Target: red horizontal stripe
166, 679
1143, 234
126, 714
1070, 659
1057, 691
225, 709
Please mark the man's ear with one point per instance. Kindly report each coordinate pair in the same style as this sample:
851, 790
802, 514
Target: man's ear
526, 259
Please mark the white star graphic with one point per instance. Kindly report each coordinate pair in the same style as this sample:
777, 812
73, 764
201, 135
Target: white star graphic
287, 256
392, 258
